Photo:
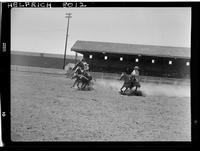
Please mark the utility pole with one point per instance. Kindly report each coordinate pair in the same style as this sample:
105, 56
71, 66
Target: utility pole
0, 21
68, 15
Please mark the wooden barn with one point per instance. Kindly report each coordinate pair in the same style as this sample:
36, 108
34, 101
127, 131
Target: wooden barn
161, 61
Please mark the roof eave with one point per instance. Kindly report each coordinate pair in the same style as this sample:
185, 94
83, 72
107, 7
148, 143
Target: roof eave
89, 51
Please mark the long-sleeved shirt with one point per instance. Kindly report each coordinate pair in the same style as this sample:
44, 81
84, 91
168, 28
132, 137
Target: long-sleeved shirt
135, 73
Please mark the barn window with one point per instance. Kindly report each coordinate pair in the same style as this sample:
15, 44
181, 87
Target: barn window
90, 56
105, 57
121, 58
170, 62
187, 63
153, 61
136, 60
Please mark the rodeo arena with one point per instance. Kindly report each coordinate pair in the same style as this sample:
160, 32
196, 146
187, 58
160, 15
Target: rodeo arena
106, 92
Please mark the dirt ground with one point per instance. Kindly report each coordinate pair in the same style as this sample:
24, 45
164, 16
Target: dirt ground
44, 107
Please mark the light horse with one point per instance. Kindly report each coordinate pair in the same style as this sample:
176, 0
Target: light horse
128, 82
81, 77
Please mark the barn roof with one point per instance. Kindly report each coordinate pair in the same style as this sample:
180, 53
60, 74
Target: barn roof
131, 49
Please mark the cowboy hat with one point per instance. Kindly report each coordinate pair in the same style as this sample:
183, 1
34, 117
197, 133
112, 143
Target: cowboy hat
136, 67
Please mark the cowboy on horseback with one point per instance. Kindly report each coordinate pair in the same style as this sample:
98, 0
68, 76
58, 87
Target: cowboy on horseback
135, 76
131, 80
81, 69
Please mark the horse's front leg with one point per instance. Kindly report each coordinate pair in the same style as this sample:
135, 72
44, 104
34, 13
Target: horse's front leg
74, 83
78, 84
82, 86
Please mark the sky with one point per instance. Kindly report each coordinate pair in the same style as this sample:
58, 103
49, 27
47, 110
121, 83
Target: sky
44, 29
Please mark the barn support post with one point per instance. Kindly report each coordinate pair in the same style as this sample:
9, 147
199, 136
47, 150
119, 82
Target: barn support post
75, 57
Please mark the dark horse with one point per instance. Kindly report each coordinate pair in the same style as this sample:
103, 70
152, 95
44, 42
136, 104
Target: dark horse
128, 82
81, 77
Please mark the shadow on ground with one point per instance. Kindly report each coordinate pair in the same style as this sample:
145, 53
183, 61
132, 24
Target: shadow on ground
132, 93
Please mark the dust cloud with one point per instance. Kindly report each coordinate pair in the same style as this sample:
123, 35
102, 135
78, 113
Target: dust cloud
150, 89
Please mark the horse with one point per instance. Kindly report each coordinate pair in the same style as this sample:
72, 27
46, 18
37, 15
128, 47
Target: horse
128, 82
81, 75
